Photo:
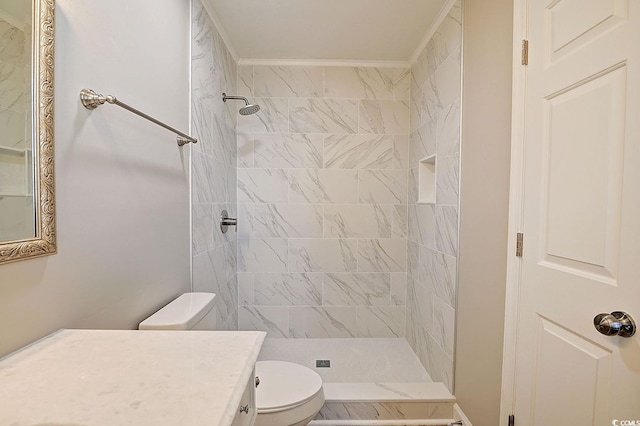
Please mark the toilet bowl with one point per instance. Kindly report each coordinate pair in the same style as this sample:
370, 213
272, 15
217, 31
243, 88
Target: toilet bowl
288, 395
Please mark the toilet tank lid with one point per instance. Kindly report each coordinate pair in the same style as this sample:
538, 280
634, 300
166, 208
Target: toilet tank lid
181, 314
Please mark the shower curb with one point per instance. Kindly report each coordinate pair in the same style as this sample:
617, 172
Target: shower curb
386, 403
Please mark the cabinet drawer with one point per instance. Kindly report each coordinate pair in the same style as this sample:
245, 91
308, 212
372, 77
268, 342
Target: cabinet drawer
247, 411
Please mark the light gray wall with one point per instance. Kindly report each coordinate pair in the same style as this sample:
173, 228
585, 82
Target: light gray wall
486, 139
121, 182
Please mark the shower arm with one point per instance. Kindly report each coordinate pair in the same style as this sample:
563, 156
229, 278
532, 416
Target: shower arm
92, 100
237, 98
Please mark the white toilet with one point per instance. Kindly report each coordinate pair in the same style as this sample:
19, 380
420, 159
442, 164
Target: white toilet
288, 395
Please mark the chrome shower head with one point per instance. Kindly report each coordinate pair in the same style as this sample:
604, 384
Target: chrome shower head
248, 109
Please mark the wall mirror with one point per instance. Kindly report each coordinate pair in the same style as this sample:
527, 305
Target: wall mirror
27, 207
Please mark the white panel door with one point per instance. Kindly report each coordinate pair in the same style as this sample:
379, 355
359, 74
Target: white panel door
581, 219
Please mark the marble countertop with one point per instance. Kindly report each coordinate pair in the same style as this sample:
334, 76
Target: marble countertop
105, 377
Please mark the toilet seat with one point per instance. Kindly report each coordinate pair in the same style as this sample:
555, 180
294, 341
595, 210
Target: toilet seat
285, 385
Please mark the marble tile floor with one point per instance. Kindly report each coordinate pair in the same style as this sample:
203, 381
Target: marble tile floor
389, 360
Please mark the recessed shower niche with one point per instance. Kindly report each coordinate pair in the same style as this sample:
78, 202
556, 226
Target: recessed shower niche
427, 180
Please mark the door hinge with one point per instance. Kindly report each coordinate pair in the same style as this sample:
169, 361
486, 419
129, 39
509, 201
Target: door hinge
519, 244
512, 420
525, 52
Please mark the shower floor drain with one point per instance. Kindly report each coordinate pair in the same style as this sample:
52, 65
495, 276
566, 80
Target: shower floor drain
323, 363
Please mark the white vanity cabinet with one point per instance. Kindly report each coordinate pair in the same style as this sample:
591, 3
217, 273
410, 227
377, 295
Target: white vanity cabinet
126, 377
247, 410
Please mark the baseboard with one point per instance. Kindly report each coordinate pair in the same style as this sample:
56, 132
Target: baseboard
458, 414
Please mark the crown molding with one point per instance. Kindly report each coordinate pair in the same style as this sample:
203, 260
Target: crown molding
218, 25
444, 11
442, 14
323, 63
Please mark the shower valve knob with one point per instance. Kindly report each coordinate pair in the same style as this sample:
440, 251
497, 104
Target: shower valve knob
226, 222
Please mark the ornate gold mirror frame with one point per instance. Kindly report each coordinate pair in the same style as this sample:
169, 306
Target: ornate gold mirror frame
44, 242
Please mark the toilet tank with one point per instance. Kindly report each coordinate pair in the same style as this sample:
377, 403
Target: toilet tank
191, 311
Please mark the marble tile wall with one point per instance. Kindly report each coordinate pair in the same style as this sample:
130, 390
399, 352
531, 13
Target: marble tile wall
213, 167
433, 228
322, 201
15, 204
14, 78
